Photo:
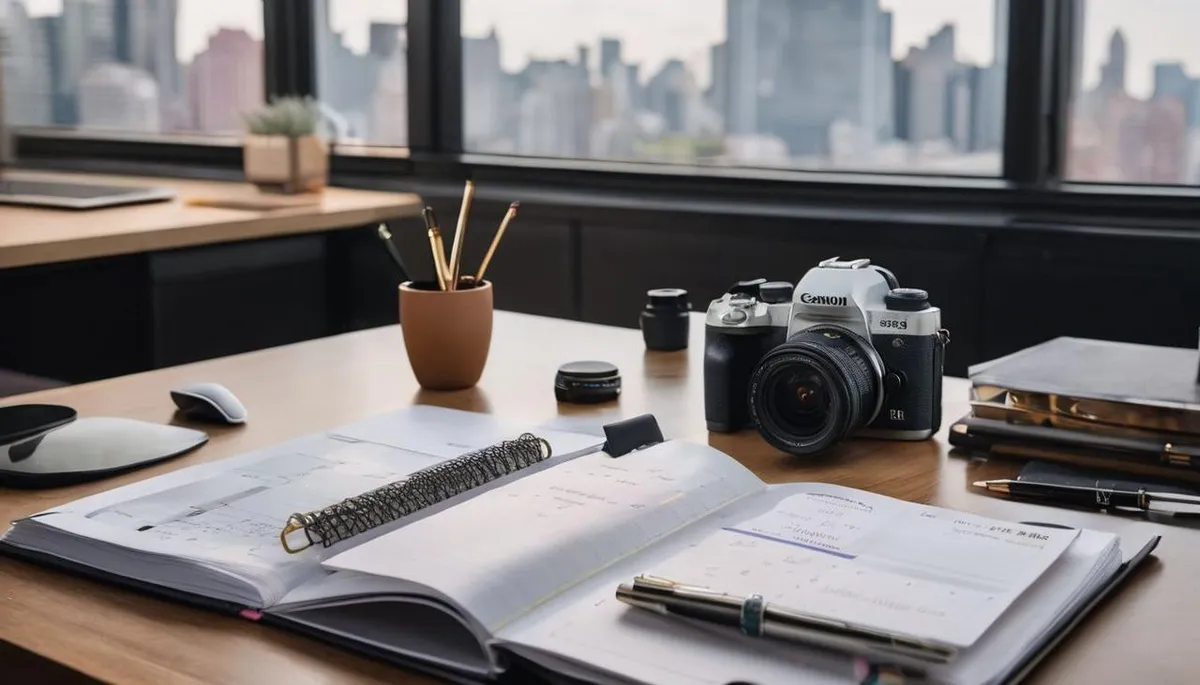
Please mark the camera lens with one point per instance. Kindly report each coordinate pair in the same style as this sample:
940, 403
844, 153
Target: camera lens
815, 389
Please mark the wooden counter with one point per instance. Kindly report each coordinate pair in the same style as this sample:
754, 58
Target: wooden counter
116, 636
30, 235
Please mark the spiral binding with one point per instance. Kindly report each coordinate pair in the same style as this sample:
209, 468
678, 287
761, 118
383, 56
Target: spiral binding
419, 490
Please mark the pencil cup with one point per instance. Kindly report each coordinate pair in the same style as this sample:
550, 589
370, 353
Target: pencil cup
447, 333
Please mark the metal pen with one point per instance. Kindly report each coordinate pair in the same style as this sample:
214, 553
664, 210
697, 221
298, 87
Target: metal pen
758, 618
1094, 497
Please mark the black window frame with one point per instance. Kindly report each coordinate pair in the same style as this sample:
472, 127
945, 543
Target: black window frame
1029, 189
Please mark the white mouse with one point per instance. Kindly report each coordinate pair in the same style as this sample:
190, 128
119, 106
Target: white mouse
209, 402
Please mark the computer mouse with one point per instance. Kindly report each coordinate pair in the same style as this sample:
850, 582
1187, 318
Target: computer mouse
88, 449
209, 402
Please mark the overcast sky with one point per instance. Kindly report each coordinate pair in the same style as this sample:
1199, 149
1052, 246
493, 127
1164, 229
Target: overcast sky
655, 30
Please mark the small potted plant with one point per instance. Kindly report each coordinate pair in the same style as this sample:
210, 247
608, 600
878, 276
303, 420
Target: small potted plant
283, 152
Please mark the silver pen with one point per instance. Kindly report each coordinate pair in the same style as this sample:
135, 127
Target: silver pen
758, 618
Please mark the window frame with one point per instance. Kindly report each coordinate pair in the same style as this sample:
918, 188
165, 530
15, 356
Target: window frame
1037, 108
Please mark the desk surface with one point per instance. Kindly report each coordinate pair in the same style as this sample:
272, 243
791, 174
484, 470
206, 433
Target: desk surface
122, 637
33, 235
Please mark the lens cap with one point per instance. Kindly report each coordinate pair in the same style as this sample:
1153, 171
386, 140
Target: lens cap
587, 382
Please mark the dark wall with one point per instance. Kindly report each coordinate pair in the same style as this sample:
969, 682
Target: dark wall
1001, 288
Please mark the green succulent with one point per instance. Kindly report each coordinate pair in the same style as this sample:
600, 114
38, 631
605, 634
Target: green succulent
289, 116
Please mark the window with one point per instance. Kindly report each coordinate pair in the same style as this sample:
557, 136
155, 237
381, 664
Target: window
362, 69
1135, 109
878, 85
133, 66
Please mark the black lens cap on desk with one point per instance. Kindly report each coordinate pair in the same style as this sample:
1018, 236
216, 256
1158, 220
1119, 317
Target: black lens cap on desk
587, 382
22, 421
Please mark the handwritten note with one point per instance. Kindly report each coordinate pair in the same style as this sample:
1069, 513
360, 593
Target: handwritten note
882, 563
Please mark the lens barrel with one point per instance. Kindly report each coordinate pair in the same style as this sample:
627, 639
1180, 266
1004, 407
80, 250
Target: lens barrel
815, 389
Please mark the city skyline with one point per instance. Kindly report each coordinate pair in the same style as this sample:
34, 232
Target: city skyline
820, 84
1156, 30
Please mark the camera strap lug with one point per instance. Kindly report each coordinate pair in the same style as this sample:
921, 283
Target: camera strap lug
943, 336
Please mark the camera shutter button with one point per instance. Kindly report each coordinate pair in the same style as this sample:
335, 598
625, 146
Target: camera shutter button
906, 300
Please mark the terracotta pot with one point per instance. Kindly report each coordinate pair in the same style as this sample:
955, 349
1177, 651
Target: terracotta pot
447, 333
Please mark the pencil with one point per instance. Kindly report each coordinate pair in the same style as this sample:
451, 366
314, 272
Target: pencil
460, 232
439, 256
431, 224
386, 236
487, 258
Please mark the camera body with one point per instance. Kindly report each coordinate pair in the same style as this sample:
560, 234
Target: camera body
848, 353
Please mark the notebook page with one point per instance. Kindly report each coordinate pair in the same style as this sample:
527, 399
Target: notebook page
507, 550
874, 561
590, 628
227, 515
599, 634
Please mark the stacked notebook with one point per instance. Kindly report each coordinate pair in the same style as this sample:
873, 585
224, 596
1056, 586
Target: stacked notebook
1090, 403
514, 557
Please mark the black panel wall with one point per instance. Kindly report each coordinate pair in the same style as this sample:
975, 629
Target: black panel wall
706, 255
1041, 284
224, 299
75, 321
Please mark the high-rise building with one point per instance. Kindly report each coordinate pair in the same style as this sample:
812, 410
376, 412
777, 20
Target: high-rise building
85, 39
554, 110
224, 82
482, 104
885, 101
385, 38
719, 78
1171, 81
1112, 72
119, 97
346, 80
932, 69
389, 102
28, 79
798, 66
610, 56
144, 36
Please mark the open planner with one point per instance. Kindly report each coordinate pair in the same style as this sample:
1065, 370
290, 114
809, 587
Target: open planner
520, 570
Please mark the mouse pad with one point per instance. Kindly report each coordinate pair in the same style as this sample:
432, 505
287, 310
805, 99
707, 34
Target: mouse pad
89, 449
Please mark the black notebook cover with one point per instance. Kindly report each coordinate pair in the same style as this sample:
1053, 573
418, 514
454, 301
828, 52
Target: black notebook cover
1094, 369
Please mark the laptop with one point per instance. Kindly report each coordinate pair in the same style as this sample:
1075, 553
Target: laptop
71, 195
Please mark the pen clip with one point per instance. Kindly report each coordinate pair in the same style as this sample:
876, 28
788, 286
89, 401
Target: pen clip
655, 584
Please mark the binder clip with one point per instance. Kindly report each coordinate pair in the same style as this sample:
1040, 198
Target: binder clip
629, 435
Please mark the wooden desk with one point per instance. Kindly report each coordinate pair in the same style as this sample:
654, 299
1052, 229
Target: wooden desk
31, 235
122, 637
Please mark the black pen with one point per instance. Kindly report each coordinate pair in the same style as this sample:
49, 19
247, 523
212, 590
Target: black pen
1093, 497
386, 236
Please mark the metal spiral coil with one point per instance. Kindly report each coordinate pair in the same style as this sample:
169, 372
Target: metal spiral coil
422, 489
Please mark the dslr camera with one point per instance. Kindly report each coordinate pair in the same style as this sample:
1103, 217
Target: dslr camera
845, 352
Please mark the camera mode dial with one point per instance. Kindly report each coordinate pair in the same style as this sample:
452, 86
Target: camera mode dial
906, 300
